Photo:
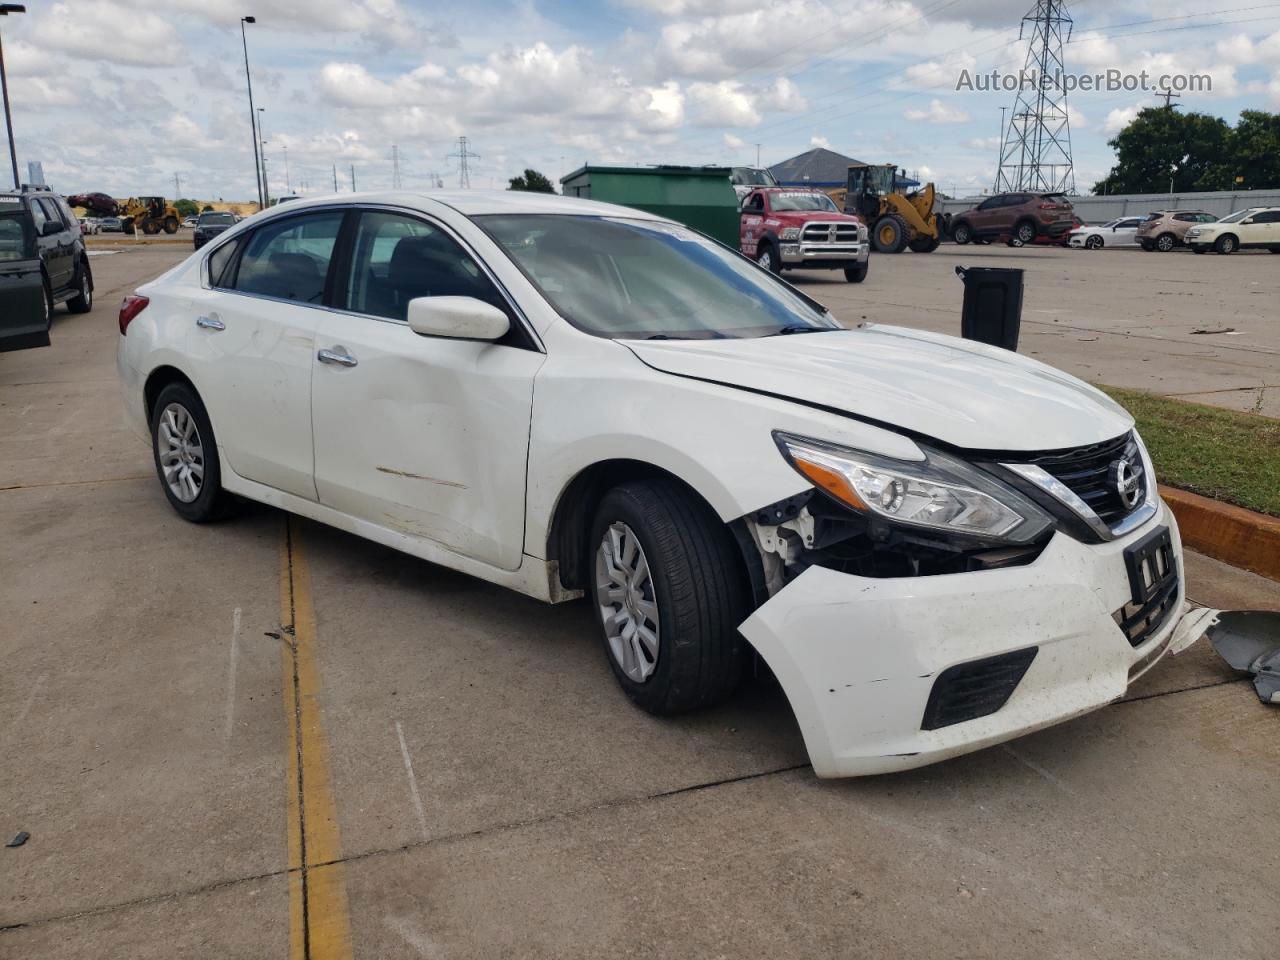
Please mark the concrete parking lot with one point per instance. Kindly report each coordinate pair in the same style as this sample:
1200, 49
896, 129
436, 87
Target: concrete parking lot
265, 737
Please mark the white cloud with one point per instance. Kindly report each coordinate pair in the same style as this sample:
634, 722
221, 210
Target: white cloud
941, 74
1093, 49
1118, 119
734, 143
729, 103
1078, 120
939, 112
110, 31
382, 23
817, 141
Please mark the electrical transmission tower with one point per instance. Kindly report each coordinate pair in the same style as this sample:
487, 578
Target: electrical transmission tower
463, 155
1036, 152
395, 167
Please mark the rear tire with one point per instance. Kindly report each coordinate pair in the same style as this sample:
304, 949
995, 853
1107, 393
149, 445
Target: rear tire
170, 225
83, 301
856, 274
962, 233
670, 632
186, 455
924, 244
150, 228
1025, 232
1166, 242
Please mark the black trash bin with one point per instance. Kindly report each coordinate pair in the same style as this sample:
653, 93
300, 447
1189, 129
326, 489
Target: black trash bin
992, 305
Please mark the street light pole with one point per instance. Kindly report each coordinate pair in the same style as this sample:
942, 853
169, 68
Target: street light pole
262, 139
5, 10
253, 122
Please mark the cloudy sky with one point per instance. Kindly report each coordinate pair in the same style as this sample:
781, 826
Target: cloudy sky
121, 95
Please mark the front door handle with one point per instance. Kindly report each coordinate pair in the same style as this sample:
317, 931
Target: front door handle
337, 355
210, 323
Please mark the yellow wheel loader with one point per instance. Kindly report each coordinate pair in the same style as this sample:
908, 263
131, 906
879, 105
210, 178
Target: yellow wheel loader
896, 220
150, 215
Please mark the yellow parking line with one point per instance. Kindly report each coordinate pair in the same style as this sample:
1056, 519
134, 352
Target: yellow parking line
319, 921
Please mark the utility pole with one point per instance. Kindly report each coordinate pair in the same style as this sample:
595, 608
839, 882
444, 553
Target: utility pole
353, 178
464, 154
395, 167
757, 156
996, 186
288, 184
335, 178
1036, 154
1169, 102
5, 10
253, 117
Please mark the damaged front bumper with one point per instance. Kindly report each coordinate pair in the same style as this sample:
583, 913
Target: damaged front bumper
877, 670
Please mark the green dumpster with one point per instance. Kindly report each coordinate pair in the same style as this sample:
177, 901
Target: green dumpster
699, 197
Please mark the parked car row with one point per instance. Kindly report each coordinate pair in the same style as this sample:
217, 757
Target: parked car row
1165, 230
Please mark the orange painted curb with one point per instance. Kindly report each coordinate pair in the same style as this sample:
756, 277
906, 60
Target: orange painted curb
1225, 532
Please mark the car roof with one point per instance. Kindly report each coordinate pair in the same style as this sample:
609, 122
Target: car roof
470, 203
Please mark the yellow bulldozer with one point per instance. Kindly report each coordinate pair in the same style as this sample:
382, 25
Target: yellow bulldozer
896, 220
148, 214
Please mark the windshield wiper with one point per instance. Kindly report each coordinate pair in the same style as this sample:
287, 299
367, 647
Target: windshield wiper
800, 328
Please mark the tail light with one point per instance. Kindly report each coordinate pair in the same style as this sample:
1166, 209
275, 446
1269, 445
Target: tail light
130, 307
1048, 206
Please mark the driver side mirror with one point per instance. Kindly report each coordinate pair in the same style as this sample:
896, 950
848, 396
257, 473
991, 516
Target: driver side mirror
50, 228
1246, 221
458, 318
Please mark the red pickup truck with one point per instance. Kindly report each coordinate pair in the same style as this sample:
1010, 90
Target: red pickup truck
786, 229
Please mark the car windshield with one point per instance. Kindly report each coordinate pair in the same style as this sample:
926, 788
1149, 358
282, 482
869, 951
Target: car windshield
782, 202
216, 218
638, 279
17, 242
1237, 216
752, 177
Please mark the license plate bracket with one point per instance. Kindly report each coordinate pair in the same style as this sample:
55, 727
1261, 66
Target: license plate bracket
1151, 565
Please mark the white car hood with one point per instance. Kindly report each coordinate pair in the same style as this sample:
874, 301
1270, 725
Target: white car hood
963, 393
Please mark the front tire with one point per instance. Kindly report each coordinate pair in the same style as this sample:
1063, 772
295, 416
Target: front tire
767, 257
856, 274
890, 234
1226, 244
170, 225
1093, 242
669, 593
186, 455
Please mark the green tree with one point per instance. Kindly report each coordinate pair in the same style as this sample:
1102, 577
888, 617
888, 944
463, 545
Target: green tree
206, 208
532, 182
187, 208
1253, 152
1161, 145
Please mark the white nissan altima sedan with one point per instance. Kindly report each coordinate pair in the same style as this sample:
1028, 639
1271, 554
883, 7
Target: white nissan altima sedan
933, 544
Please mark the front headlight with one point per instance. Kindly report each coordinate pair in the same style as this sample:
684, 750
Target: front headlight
940, 493
790, 233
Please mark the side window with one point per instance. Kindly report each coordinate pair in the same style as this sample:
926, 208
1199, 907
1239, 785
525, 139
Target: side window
1267, 216
38, 216
755, 203
1208, 218
68, 215
988, 204
289, 259
396, 258
1128, 224
220, 264
51, 211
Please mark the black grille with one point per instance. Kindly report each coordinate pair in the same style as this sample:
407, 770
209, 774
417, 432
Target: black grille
1087, 471
821, 233
975, 689
1140, 620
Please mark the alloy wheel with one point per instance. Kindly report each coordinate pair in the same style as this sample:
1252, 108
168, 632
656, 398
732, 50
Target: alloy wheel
765, 259
1026, 233
628, 603
1093, 243
1165, 243
181, 452
86, 292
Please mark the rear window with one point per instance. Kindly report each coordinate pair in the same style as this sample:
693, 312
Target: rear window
219, 218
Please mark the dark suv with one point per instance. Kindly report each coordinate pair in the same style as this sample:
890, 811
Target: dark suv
1018, 216
210, 224
42, 263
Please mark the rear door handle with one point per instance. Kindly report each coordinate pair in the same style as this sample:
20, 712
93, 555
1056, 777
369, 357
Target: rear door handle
210, 323
337, 355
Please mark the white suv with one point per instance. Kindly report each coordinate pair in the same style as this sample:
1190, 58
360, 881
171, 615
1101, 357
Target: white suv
1254, 227
934, 545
